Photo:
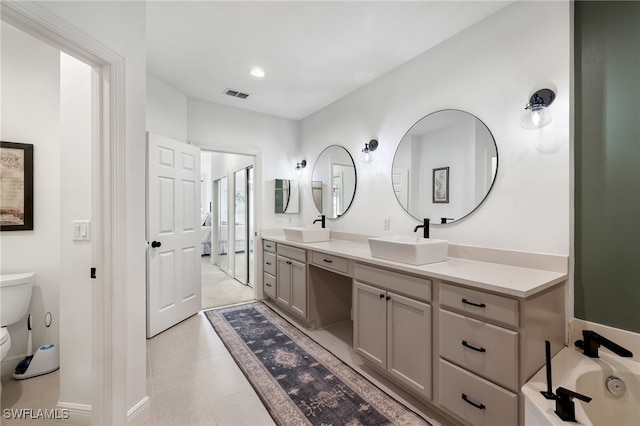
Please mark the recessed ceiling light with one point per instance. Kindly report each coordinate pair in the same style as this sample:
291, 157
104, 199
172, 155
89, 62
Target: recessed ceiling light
257, 72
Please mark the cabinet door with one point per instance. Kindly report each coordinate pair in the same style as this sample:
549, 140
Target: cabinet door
370, 323
299, 288
283, 279
409, 342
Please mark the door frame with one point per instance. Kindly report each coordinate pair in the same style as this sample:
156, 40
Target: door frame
108, 246
257, 194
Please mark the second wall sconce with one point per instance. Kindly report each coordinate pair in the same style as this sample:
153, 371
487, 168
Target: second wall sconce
536, 113
367, 151
299, 166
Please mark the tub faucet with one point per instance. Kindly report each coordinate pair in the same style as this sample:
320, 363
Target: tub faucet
565, 407
591, 341
424, 226
323, 221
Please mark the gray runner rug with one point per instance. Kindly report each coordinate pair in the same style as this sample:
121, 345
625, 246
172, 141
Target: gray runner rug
298, 380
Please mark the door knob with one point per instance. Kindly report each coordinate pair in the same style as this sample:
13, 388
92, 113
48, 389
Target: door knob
156, 244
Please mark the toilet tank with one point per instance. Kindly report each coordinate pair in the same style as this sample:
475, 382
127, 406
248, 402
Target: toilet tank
15, 297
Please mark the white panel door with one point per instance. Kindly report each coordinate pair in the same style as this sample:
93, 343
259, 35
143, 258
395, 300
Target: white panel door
400, 180
173, 232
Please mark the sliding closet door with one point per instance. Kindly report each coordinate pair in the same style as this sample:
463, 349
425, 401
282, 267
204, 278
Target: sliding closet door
251, 229
240, 226
221, 243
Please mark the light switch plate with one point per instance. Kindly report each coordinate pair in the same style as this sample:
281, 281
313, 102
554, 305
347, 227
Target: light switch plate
81, 230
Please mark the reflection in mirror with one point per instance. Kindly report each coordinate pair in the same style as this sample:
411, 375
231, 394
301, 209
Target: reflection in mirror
445, 166
333, 184
287, 196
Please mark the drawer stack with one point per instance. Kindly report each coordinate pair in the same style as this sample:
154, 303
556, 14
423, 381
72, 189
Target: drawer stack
269, 268
479, 356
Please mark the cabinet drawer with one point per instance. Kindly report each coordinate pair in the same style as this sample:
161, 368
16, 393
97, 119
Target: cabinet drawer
328, 261
269, 263
269, 287
419, 288
484, 305
485, 349
269, 246
292, 253
475, 400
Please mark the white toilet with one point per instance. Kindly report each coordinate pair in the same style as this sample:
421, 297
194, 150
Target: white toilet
15, 297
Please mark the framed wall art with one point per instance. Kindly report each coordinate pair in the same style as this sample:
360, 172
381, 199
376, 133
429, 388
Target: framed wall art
441, 185
16, 186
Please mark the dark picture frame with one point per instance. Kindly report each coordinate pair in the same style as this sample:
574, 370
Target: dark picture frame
16, 186
441, 185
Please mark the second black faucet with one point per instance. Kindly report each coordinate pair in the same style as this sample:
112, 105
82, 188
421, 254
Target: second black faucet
322, 219
424, 226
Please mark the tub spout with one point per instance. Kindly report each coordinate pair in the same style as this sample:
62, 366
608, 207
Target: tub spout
565, 407
591, 341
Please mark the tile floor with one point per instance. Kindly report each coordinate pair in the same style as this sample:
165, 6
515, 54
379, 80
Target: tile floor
219, 289
193, 380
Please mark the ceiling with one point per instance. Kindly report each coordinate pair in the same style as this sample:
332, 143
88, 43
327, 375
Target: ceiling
313, 52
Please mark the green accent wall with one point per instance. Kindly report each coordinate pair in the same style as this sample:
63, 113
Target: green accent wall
607, 163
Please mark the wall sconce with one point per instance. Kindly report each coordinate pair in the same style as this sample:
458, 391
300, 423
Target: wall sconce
299, 166
536, 114
367, 151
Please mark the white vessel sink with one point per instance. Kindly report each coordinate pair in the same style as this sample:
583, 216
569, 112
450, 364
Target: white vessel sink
307, 234
409, 249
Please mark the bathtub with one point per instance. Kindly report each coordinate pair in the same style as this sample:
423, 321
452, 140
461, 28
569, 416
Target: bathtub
574, 371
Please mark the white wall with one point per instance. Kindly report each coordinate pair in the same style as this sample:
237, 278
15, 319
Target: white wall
31, 114
121, 27
75, 204
166, 110
222, 128
489, 70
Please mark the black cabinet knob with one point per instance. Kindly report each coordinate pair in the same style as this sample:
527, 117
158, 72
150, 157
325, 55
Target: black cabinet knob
156, 244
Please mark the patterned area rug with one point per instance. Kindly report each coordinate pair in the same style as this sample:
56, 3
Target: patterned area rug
299, 381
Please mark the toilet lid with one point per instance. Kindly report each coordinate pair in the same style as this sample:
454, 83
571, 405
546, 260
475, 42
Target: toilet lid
4, 335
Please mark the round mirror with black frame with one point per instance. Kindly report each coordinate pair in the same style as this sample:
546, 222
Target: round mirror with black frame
333, 182
445, 166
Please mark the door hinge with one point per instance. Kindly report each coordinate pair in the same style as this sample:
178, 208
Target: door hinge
93, 273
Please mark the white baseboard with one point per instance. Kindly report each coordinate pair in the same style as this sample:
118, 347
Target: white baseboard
139, 412
79, 414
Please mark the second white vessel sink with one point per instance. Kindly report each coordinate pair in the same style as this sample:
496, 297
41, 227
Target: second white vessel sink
408, 249
307, 234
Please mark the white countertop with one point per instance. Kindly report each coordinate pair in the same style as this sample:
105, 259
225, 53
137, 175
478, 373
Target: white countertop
509, 280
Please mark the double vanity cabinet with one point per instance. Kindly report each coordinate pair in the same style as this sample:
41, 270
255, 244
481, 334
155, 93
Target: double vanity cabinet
462, 335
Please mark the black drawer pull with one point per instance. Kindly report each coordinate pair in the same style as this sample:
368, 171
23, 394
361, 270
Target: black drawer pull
468, 401
268, 285
477, 305
269, 246
382, 296
464, 343
328, 261
288, 263
268, 263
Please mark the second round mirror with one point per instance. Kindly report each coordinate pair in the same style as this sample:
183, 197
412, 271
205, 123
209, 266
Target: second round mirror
333, 184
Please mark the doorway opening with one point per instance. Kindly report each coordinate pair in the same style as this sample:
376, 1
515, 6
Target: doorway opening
228, 228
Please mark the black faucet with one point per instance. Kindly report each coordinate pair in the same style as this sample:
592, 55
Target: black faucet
425, 228
565, 408
323, 220
591, 341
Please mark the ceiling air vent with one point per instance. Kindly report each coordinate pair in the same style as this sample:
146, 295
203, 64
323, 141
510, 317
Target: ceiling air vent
236, 94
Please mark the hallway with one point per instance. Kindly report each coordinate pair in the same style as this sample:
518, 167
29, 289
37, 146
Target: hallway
219, 289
